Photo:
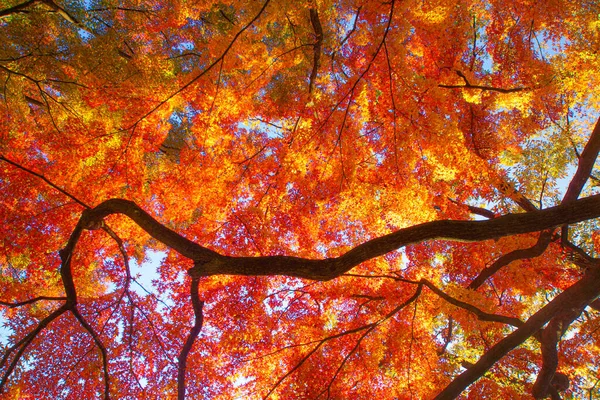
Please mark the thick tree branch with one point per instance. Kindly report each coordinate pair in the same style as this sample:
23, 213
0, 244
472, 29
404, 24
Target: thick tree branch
585, 165
66, 254
209, 262
19, 8
316, 24
575, 297
549, 339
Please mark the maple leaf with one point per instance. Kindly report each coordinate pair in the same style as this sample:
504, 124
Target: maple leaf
286, 199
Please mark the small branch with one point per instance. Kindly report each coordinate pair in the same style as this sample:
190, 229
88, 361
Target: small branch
368, 328
351, 31
476, 210
468, 85
197, 305
21, 8
63, 13
531, 252
34, 102
30, 301
42, 177
25, 342
541, 198
481, 315
100, 346
486, 88
12, 72
226, 17
447, 336
474, 51
344, 361
208, 68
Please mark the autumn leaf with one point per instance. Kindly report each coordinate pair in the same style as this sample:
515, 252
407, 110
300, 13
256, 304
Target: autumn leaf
288, 200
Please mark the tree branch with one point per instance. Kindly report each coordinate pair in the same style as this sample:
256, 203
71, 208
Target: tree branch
30, 301
316, 24
585, 165
368, 328
488, 88
209, 262
531, 252
42, 177
575, 297
100, 346
476, 210
481, 315
208, 68
468, 85
549, 339
25, 342
19, 8
197, 305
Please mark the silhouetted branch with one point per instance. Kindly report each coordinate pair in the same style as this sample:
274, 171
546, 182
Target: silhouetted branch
468, 85
488, 88
351, 31
209, 262
549, 339
576, 296
207, 69
22, 8
481, 315
349, 94
100, 346
19, 8
25, 342
197, 305
42, 177
344, 361
585, 165
368, 328
30, 301
316, 24
476, 210
520, 254
447, 336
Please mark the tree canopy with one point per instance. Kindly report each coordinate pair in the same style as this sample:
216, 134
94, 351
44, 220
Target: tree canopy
299, 199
